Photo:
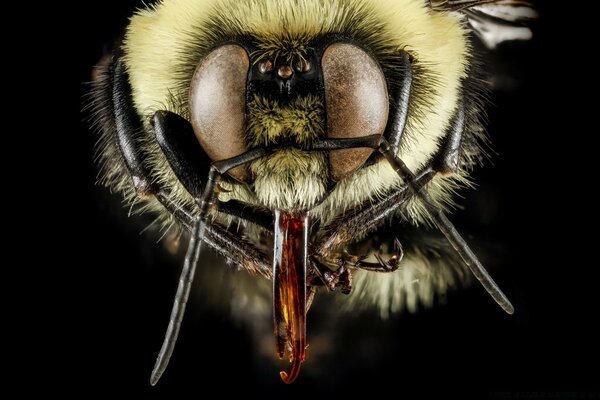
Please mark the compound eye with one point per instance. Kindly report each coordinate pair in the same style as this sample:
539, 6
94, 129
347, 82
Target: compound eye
357, 103
217, 104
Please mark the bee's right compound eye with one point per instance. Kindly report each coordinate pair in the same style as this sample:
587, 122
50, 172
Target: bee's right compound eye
357, 103
217, 104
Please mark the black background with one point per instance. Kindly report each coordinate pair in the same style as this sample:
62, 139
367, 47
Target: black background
106, 290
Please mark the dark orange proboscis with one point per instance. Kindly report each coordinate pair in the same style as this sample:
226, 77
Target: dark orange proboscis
289, 288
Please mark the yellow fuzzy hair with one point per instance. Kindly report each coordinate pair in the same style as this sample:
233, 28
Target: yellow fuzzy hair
436, 40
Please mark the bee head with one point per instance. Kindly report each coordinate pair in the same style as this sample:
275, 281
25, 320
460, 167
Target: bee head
283, 74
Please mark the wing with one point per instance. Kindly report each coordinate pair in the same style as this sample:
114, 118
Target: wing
493, 21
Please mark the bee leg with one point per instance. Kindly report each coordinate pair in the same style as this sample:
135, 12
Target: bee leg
446, 227
205, 202
232, 208
366, 218
235, 249
247, 213
381, 265
190, 164
346, 282
322, 275
240, 252
450, 155
401, 99
128, 127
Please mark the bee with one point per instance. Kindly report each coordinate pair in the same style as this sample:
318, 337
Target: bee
283, 133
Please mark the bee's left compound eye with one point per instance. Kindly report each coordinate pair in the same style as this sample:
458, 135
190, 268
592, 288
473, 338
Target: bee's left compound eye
357, 103
217, 104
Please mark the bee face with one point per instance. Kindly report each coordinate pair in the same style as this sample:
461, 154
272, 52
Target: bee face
285, 109
287, 98
349, 112
299, 77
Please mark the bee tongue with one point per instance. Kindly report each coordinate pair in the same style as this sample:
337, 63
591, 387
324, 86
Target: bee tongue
289, 288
